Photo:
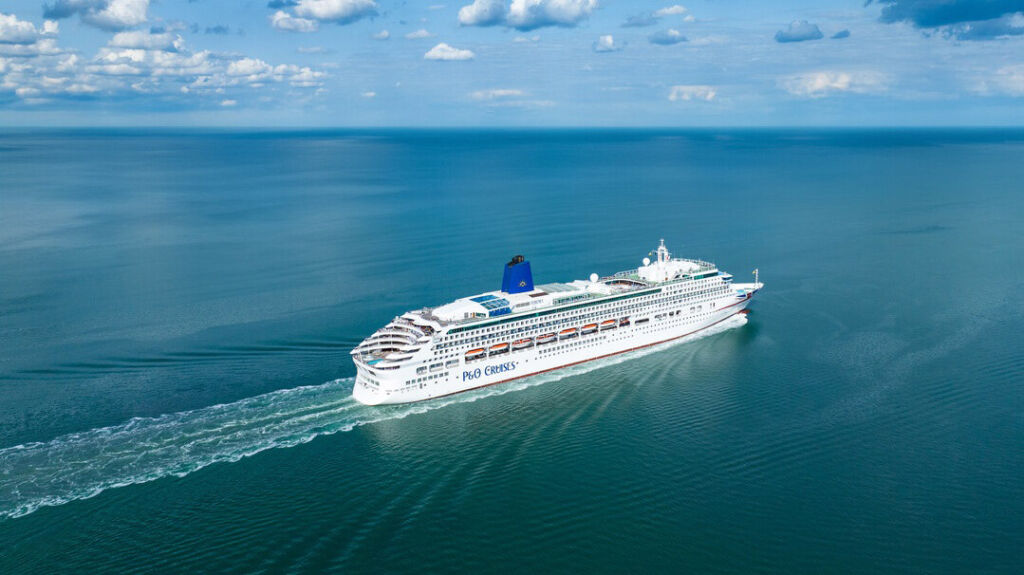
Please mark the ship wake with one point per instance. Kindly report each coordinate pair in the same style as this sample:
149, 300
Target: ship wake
83, 465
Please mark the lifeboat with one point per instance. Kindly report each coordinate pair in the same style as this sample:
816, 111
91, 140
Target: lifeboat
522, 343
567, 333
624, 322
498, 348
589, 328
546, 338
474, 354
609, 324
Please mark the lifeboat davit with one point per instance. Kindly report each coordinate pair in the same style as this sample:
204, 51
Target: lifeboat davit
589, 328
522, 343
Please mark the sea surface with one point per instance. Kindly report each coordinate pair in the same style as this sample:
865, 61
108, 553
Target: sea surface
177, 308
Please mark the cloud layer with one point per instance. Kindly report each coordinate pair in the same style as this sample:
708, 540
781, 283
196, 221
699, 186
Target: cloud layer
445, 52
962, 19
799, 31
526, 14
104, 14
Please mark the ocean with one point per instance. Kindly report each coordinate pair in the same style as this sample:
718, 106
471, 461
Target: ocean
177, 308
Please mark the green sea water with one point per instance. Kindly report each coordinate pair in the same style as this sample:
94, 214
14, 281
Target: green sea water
177, 308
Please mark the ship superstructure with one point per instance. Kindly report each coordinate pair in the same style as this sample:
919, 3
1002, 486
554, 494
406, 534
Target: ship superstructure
525, 329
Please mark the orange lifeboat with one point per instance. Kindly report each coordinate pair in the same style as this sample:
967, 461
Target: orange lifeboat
546, 338
498, 348
609, 324
589, 328
522, 343
474, 354
568, 332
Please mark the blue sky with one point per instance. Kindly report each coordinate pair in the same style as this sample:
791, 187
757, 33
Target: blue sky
511, 63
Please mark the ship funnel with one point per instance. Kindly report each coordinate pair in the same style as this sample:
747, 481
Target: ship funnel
517, 278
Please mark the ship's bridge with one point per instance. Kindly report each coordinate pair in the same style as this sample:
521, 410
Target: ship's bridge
666, 268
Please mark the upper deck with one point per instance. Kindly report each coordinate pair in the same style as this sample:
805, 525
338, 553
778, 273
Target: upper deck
408, 333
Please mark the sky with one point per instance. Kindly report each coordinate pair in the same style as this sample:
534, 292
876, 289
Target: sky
466, 63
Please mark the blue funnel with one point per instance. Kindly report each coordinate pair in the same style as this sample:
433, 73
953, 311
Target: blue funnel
518, 277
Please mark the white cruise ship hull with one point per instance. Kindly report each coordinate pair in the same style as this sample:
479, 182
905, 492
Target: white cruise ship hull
561, 353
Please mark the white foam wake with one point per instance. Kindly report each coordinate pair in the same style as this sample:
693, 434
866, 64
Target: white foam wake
83, 465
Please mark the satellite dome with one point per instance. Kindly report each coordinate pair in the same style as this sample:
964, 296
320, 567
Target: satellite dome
647, 261
594, 277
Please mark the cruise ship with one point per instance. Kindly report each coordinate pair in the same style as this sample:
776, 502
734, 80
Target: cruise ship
526, 329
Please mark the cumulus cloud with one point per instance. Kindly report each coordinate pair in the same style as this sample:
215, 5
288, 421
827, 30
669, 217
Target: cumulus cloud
526, 14
15, 31
382, 35
607, 43
419, 34
825, 83
799, 31
667, 37
337, 11
147, 40
674, 10
228, 103
445, 52
841, 34
961, 19
104, 14
483, 13
306, 15
686, 93
652, 18
285, 21
147, 62
369, 94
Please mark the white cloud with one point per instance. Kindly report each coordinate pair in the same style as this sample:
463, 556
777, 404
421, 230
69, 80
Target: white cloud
606, 43
673, 10
369, 94
526, 40
445, 52
526, 14
483, 13
667, 37
285, 21
147, 40
496, 94
686, 93
530, 14
105, 14
419, 34
1008, 80
15, 31
339, 11
823, 83
228, 103
382, 35
141, 62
